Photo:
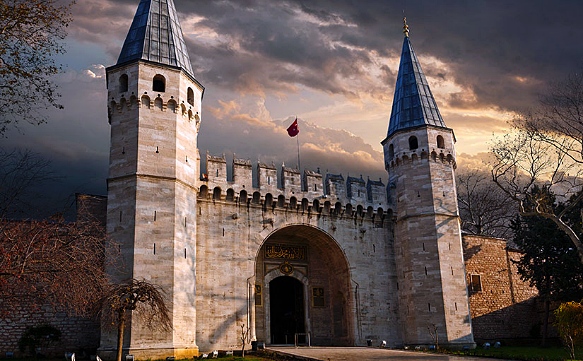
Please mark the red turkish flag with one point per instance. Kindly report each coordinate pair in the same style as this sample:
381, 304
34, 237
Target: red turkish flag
293, 129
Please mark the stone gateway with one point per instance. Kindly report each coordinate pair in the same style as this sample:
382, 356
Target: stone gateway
292, 256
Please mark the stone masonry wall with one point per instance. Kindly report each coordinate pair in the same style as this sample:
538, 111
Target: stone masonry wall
230, 235
77, 335
502, 305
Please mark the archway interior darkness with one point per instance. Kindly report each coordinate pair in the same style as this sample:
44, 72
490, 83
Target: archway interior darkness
286, 297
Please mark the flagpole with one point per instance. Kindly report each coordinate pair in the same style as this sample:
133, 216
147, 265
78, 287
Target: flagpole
298, 141
294, 131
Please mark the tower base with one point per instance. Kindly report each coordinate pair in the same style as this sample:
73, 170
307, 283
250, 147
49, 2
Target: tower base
150, 353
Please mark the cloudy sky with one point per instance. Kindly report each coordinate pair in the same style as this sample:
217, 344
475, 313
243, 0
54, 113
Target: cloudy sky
333, 64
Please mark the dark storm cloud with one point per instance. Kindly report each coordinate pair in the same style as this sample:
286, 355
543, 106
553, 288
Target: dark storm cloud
500, 54
494, 48
502, 51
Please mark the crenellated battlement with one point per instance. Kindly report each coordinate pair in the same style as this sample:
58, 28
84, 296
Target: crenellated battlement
169, 104
444, 156
288, 188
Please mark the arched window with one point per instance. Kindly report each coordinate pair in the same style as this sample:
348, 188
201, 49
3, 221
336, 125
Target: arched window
327, 207
413, 144
159, 83
281, 201
203, 192
256, 197
305, 204
230, 194
316, 205
123, 83
349, 210
243, 196
268, 200
190, 96
391, 151
217, 193
440, 142
337, 208
293, 203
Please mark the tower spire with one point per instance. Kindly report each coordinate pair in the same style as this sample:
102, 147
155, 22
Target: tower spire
155, 35
413, 104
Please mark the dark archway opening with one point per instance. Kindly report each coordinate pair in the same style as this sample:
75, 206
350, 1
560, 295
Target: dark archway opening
286, 295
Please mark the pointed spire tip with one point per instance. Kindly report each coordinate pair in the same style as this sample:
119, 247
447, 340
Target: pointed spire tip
405, 27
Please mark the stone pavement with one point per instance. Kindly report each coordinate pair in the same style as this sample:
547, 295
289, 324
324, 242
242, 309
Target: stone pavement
365, 353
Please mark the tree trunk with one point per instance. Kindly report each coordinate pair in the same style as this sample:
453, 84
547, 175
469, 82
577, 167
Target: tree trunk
546, 322
120, 330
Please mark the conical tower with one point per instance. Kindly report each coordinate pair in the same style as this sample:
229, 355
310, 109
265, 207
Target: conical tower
154, 107
420, 158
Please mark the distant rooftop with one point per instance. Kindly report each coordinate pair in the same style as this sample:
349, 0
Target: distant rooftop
156, 36
413, 104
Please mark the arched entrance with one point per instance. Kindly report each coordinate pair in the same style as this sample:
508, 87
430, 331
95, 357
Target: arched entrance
302, 285
287, 314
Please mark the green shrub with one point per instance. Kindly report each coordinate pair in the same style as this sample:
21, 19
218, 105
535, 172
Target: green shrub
38, 337
569, 322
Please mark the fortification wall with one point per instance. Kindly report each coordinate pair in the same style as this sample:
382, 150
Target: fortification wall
79, 335
234, 219
289, 188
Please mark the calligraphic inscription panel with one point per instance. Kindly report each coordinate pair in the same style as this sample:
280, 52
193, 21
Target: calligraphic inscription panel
281, 251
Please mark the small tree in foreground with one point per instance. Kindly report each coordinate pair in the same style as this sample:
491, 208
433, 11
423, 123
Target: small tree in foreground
142, 299
569, 322
244, 338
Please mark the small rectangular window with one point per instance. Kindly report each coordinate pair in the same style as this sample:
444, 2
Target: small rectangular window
475, 283
318, 297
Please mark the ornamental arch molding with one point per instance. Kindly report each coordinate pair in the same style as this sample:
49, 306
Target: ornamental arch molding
323, 299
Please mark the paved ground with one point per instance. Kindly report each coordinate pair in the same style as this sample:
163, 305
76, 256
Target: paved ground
366, 353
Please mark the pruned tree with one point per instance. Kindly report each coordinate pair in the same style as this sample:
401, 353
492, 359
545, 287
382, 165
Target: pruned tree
545, 148
484, 208
137, 298
31, 32
52, 262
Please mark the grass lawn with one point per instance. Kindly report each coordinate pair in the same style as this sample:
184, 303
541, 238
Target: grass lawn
524, 353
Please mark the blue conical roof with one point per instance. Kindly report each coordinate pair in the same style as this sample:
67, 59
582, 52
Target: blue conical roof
413, 104
156, 36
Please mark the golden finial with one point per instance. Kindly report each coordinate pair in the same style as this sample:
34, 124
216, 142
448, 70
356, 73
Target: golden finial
405, 27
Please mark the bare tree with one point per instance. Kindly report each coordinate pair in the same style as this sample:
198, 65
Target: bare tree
52, 262
245, 339
545, 148
22, 174
30, 35
138, 298
484, 208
